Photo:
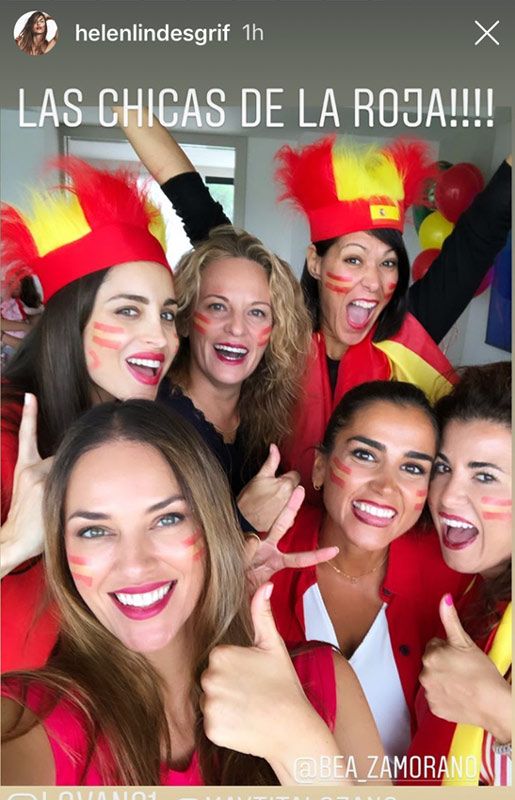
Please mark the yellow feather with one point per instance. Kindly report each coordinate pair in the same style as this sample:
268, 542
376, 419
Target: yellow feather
55, 219
363, 172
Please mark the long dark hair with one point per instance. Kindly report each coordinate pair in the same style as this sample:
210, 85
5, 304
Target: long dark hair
26, 38
50, 363
391, 317
115, 692
483, 393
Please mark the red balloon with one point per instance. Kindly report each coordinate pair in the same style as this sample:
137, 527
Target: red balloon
456, 188
422, 263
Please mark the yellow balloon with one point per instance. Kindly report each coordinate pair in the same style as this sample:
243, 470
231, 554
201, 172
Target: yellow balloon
434, 231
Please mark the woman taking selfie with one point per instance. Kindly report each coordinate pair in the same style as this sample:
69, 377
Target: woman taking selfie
162, 675
108, 331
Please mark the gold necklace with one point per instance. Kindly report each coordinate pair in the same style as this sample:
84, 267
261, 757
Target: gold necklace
356, 578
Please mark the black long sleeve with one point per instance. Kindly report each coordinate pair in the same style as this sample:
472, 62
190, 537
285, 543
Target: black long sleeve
438, 299
193, 203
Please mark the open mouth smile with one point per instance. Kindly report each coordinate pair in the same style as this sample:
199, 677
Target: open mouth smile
373, 514
457, 532
142, 602
359, 312
146, 368
230, 353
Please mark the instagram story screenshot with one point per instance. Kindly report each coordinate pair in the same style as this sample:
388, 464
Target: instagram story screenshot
256, 449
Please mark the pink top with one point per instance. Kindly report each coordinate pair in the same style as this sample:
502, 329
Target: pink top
65, 730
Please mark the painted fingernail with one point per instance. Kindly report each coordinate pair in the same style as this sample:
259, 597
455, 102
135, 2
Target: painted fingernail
448, 600
26, 398
268, 591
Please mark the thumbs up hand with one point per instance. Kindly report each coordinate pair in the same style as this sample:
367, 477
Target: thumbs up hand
266, 495
461, 683
23, 530
253, 698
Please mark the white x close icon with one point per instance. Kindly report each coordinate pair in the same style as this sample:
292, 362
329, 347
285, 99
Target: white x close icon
487, 32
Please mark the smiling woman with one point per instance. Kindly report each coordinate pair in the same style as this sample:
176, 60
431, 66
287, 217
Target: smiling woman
108, 331
376, 599
163, 674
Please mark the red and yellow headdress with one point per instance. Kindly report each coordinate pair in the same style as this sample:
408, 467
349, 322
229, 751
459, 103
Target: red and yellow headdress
96, 220
343, 187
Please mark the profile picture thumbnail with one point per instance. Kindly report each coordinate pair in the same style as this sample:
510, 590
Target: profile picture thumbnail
35, 33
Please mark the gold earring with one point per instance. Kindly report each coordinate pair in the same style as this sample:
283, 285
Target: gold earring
317, 486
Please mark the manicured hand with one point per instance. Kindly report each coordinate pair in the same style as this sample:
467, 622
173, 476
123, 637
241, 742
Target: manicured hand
265, 496
461, 683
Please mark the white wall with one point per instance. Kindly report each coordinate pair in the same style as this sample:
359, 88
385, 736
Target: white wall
23, 152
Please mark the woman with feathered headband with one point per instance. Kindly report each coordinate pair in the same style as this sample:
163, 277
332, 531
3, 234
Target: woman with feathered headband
108, 331
365, 318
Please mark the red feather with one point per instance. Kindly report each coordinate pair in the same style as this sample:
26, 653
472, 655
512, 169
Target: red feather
105, 197
415, 164
307, 176
18, 249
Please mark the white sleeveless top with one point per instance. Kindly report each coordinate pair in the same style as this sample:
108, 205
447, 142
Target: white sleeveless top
375, 667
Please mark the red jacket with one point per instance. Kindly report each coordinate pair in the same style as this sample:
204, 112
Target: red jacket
415, 580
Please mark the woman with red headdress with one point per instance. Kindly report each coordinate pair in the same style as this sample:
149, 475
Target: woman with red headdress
108, 331
367, 323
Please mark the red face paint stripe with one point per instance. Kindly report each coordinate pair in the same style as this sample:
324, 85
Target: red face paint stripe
502, 515
336, 289
198, 554
391, 286
95, 360
333, 477
421, 493
334, 277
107, 343
84, 578
77, 560
193, 539
199, 328
101, 326
202, 317
341, 466
496, 501
419, 506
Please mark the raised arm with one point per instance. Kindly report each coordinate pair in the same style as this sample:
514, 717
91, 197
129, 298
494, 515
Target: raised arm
155, 147
438, 299
178, 178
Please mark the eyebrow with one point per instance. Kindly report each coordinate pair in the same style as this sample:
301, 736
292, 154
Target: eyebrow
138, 298
357, 244
473, 464
96, 515
226, 299
378, 446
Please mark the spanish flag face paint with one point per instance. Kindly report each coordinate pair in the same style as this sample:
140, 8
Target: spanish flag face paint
357, 276
377, 474
130, 338
470, 496
233, 322
135, 551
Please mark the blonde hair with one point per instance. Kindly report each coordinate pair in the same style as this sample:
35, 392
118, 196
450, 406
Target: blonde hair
268, 396
115, 691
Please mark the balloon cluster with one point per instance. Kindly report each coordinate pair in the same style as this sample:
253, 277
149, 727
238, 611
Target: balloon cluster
445, 200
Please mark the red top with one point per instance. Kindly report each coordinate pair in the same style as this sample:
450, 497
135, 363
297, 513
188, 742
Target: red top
28, 626
416, 578
64, 725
